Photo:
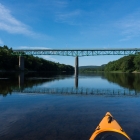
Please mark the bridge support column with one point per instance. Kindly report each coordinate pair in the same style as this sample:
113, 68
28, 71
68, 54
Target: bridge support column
21, 80
76, 81
76, 66
21, 63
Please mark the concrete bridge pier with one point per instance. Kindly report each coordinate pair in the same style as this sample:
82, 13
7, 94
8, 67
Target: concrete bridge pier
21, 80
76, 81
76, 71
21, 63
76, 66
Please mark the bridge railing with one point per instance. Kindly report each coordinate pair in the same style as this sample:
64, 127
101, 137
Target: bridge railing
79, 52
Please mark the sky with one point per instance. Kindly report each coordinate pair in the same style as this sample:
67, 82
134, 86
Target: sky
71, 24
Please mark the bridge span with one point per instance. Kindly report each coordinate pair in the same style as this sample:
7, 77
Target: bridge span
73, 52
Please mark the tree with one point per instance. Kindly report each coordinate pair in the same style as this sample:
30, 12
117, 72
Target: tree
137, 62
10, 62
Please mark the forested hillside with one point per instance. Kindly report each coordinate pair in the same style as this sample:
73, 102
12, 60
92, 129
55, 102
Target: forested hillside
86, 69
125, 64
32, 63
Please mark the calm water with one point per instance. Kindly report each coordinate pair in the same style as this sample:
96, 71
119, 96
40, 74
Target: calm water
56, 116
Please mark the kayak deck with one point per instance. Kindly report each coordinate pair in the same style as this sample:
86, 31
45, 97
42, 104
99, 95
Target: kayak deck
109, 129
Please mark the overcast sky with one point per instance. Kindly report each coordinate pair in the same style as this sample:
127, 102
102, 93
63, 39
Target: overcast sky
59, 24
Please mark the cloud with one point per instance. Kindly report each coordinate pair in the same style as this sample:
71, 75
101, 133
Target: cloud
28, 47
69, 16
60, 3
57, 4
130, 26
12, 25
63, 12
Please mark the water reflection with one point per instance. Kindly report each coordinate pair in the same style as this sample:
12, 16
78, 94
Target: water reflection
126, 80
55, 116
21, 79
79, 91
49, 117
76, 81
10, 82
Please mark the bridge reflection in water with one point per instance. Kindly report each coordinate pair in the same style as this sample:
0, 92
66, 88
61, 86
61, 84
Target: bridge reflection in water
73, 90
21, 80
82, 91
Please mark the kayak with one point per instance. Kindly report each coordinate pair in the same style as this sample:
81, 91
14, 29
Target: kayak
109, 129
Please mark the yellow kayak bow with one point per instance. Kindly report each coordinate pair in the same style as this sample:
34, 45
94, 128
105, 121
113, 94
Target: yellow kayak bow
109, 129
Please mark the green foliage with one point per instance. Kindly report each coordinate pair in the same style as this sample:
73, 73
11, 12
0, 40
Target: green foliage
124, 64
10, 62
137, 62
7, 61
9, 80
86, 69
126, 80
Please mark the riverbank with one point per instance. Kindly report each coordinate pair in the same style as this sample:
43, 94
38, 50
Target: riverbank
136, 72
124, 72
109, 72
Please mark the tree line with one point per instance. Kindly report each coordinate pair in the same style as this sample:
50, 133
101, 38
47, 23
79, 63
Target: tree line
89, 70
125, 64
31, 63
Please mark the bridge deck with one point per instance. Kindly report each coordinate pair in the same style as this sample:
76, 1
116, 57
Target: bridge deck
78, 52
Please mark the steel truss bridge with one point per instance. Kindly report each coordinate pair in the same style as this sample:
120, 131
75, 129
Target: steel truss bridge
78, 52
80, 91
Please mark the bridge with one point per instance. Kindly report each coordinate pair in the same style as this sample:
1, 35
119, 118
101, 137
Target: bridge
79, 91
73, 52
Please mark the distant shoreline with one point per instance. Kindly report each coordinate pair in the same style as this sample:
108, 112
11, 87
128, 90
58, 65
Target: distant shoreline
109, 72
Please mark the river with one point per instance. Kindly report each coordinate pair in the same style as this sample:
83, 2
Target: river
61, 106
